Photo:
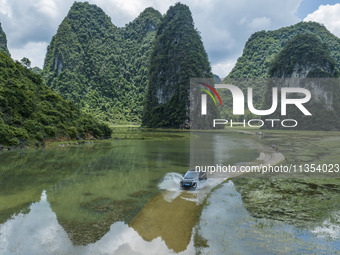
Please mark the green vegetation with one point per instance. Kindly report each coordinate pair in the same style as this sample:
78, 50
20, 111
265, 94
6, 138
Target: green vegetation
36, 70
29, 110
91, 186
200, 241
138, 37
99, 67
105, 70
304, 50
281, 199
177, 56
260, 51
3, 42
300, 199
110, 211
262, 47
301, 52
259, 88
305, 56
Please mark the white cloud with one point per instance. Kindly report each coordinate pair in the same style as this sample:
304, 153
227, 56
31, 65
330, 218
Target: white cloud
260, 23
224, 67
243, 21
47, 7
5, 9
34, 51
122, 11
225, 26
328, 15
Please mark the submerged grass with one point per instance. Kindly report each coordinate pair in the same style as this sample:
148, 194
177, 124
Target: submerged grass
199, 240
303, 199
280, 200
83, 233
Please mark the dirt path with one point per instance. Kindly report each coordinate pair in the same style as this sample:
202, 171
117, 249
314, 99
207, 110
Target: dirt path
268, 157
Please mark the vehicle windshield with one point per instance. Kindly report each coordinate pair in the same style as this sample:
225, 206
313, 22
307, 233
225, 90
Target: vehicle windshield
191, 175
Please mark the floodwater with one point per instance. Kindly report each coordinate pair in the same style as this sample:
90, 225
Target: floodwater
233, 230
119, 196
122, 196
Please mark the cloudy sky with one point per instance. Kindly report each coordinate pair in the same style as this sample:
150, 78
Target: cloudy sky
225, 25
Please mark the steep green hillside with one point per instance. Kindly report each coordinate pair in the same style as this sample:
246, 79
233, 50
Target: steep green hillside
29, 110
262, 47
137, 40
305, 56
82, 61
3, 42
98, 66
260, 51
177, 56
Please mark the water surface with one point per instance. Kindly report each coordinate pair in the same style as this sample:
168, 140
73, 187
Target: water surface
98, 198
231, 229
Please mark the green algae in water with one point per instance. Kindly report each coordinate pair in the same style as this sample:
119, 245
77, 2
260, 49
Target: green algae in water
300, 202
78, 178
232, 229
112, 211
89, 187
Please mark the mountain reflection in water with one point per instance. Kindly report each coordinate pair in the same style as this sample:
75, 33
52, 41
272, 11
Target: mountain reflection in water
38, 232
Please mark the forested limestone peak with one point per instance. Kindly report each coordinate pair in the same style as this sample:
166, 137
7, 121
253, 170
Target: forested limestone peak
301, 63
178, 55
100, 67
84, 25
3, 42
262, 47
304, 56
146, 22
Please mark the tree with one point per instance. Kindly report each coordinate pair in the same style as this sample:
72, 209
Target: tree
25, 62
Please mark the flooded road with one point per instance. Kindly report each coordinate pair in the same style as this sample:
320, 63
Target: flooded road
123, 197
173, 213
109, 197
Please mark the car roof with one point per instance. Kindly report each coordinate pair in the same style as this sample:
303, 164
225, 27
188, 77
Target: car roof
193, 170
